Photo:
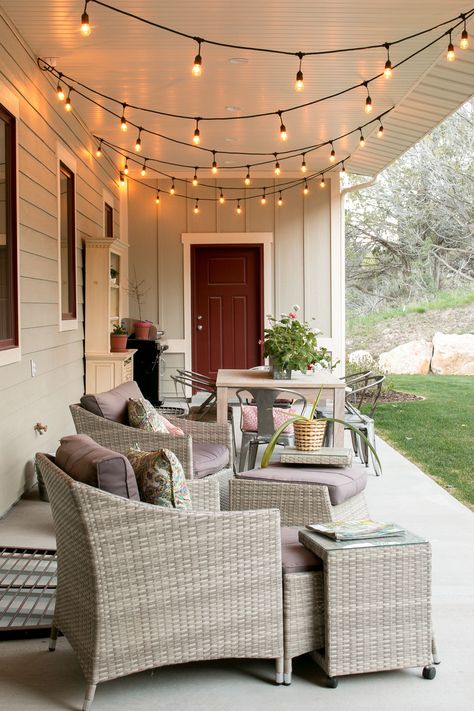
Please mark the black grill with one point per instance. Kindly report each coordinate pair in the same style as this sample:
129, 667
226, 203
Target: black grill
148, 367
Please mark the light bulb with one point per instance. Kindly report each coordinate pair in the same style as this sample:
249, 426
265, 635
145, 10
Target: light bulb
304, 167
247, 177
125, 168
239, 209
305, 189
343, 169
221, 198
387, 72
197, 66
157, 199
450, 56
332, 156
99, 150
322, 184
123, 123
85, 26
299, 84
196, 208
368, 105
143, 170
122, 180
214, 167
68, 105
60, 93
361, 141
172, 189
263, 200
464, 43
283, 133
195, 178
197, 136
277, 168
380, 132
138, 144
280, 201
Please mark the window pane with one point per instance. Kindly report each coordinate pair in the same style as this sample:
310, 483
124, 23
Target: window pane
8, 295
66, 219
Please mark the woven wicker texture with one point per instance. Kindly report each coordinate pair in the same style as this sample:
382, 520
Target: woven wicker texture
298, 504
309, 435
303, 612
378, 608
326, 456
141, 587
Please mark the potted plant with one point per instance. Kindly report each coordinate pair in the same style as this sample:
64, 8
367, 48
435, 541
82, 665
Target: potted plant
292, 345
137, 291
113, 275
118, 339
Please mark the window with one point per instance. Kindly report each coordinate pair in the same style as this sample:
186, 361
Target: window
109, 220
8, 233
67, 236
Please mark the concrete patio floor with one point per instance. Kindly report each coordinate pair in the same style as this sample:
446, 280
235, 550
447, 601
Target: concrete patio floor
31, 679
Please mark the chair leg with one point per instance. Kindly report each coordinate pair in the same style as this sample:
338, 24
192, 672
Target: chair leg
434, 652
52, 638
244, 448
253, 450
279, 670
89, 697
287, 669
355, 443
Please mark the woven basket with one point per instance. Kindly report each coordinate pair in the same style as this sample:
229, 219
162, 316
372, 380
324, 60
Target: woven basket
309, 435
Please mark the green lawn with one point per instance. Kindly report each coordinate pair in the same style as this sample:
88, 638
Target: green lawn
436, 433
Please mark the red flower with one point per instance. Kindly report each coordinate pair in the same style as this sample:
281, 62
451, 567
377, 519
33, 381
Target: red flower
292, 314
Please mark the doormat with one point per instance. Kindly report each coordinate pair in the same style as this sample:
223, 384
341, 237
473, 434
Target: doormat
27, 592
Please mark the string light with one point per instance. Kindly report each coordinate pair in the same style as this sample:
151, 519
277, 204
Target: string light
195, 177
197, 134
138, 142
464, 43
239, 209
332, 156
283, 133
361, 139
157, 199
387, 72
221, 198
451, 55
143, 170
280, 200
172, 188
122, 180
68, 105
263, 199
304, 167
85, 26
214, 163
277, 166
123, 120
197, 66
322, 184
247, 177
368, 101
59, 90
299, 84
343, 168
99, 149
196, 206
305, 189
380, 130
125, 167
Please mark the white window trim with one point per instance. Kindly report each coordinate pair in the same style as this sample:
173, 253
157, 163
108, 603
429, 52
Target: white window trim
108, 198
69, 159
12, 104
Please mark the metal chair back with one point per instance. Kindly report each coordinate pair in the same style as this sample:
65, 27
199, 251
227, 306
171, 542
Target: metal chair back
265, 400
366, 394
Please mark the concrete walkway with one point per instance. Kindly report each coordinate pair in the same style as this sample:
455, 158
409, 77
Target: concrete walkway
31, 679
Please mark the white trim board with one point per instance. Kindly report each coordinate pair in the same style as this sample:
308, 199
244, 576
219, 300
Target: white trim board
218, 238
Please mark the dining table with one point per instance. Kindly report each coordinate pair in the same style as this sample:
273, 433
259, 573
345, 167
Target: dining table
229, 381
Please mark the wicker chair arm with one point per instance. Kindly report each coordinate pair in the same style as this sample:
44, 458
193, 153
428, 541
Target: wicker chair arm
120, 438
204, 494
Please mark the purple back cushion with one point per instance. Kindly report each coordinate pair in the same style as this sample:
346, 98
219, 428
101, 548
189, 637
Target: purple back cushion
113, 404
86, 461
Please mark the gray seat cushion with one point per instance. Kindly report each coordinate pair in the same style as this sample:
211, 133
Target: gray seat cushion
342, 484
295, 558
209, 458
113, 404
86, 461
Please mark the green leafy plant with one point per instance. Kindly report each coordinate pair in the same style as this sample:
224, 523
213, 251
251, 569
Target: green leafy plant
310, 418
119, 330
292, 344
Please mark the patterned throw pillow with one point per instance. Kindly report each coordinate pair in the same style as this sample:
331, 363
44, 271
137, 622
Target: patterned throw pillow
160, 478
280, 415
144, 416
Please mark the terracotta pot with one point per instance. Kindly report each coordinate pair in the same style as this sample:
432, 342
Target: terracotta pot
118, 343
142, 329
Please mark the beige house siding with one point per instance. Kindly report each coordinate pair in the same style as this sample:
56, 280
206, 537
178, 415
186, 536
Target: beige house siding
58, 355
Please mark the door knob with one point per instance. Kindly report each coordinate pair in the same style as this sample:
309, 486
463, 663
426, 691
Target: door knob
199, 327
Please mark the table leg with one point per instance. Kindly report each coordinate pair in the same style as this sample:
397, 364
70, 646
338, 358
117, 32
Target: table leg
222, 395
339, 401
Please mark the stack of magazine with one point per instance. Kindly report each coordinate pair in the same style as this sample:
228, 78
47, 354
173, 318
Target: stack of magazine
356, 530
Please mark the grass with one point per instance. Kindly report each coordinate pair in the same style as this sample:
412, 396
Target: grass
443, 300
435, 433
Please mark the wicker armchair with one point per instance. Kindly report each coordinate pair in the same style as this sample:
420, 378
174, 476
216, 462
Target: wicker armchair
141, 587
120, 438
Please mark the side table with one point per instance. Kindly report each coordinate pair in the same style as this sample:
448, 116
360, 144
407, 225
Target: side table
378, 604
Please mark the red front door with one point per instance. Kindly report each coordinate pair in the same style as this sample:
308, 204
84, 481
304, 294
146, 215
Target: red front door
227, 308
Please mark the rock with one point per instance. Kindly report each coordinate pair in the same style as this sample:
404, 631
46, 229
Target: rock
410, 358
360, 358
453, 354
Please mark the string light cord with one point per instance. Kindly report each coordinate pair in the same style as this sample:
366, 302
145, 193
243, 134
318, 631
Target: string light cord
268, 50
283, 156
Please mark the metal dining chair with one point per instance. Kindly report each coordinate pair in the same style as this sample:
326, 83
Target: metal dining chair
265, 402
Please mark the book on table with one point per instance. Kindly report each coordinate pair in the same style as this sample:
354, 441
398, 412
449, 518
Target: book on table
355, 530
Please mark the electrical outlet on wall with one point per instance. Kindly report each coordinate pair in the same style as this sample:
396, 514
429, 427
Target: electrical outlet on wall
33, 368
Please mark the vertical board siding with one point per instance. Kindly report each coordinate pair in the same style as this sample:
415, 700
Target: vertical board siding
58, 355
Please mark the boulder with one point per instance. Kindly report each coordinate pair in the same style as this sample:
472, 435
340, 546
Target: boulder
410, 358
453, 354
361, 358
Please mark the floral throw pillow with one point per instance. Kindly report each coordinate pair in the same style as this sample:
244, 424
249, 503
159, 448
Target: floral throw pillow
143, 415
280, 415
160, 478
